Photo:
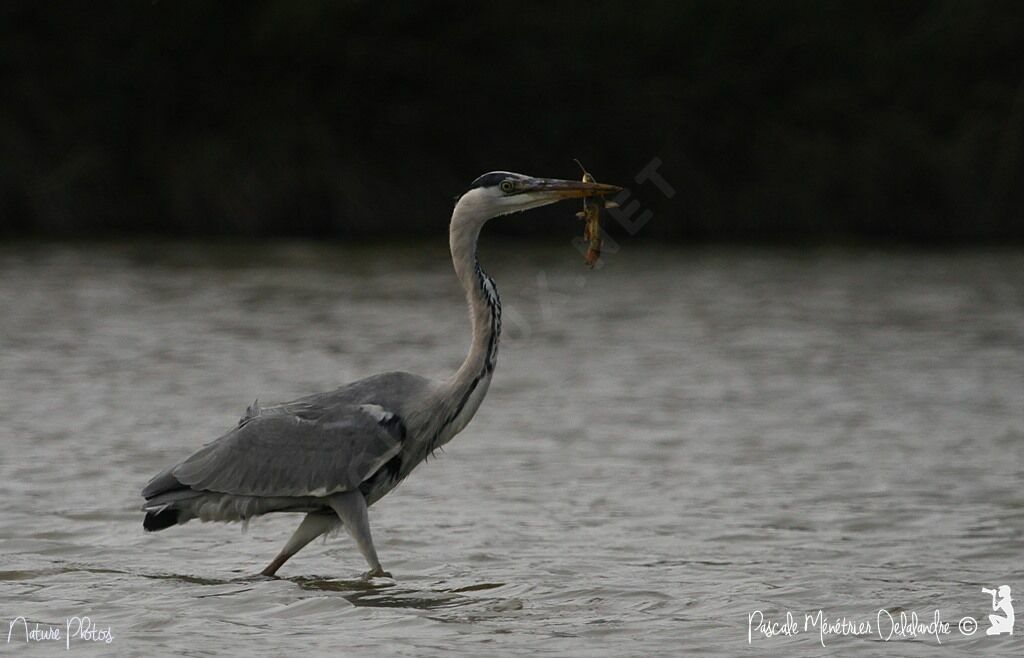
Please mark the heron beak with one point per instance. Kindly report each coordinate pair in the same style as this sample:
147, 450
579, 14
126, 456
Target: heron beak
567, 189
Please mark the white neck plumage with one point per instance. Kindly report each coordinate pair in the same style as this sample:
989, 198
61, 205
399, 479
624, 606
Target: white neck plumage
466, 388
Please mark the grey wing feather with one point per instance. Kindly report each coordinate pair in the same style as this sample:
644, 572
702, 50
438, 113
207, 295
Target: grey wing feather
277, 452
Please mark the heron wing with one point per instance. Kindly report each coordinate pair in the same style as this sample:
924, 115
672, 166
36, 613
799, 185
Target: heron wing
296, 450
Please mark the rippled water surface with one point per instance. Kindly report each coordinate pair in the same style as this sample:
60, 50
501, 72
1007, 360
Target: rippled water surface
670, 443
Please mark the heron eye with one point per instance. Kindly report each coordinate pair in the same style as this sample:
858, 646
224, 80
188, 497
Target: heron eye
507, 186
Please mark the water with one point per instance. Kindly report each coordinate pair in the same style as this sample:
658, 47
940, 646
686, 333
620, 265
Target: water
670, 444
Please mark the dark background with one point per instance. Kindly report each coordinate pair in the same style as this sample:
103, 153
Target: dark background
782, 121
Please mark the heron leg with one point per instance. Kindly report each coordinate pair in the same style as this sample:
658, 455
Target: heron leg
314, 525
351, 509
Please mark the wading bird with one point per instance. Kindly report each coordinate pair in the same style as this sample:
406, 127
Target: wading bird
332, 455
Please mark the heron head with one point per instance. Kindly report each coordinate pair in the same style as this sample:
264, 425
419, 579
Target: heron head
503, 192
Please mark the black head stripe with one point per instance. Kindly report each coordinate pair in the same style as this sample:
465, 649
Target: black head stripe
489, 179
494, 178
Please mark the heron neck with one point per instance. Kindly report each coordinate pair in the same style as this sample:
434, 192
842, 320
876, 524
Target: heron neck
484, 305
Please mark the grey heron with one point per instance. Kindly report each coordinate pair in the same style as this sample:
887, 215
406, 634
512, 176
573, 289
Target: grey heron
332, 455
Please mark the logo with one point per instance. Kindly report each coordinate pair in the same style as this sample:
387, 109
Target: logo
887, 623
1001, 602
75, 630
